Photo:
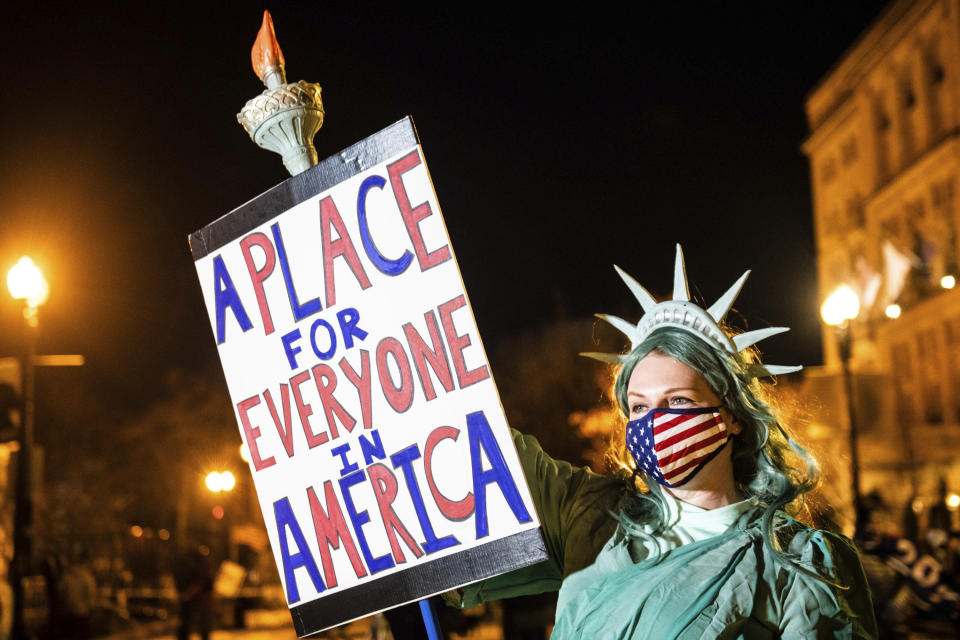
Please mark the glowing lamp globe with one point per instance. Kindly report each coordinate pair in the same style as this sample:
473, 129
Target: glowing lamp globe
213, 481
218, 481
840, 306
227, 481
953, 501
26, 282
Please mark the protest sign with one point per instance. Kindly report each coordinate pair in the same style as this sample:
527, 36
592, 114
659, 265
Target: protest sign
382, 459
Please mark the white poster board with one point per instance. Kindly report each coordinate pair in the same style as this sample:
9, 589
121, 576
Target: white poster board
381, 457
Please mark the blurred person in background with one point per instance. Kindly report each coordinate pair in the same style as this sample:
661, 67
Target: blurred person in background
76, 597
194, 577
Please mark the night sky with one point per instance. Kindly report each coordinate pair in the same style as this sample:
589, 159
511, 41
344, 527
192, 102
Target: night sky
559, 142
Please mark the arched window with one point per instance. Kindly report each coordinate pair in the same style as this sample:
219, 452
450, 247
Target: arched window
907, 100
934, 74
881, 126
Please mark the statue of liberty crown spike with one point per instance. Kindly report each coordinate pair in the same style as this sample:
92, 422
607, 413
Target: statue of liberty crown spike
681, 313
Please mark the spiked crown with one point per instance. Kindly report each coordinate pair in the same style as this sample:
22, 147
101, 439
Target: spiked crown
681, 313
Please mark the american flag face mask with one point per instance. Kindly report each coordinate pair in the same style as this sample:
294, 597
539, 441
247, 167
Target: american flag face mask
672, 445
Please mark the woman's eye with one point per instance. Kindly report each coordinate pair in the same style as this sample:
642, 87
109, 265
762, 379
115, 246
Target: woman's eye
639, 409
680, 402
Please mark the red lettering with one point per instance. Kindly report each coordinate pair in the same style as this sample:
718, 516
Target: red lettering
285, 432
305, 411
362, 383
451, 509
385, 491
331, 530
412, 216
458, 343
342, 246
421, 355
252, 433
400, 397
326, 381
257, 276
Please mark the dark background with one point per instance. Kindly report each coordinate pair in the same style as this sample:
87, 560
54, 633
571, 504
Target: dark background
559, 141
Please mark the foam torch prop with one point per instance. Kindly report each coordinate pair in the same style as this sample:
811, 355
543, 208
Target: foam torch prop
286, 116
284, 119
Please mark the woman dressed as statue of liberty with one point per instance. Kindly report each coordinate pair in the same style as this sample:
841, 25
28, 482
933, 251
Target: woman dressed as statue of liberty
699, 541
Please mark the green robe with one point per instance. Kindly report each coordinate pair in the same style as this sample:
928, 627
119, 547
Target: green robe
727, 586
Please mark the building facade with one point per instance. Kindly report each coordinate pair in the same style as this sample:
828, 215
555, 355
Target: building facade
884, 153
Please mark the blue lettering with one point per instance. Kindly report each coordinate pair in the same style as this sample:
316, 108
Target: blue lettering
300, 311
371, 449
480, 435
323, 355
288, 348
403, 459
348, 319
385, 265
348, 467
225, 295
302, 558
360, 519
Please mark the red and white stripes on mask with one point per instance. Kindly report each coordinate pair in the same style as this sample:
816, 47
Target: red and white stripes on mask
672, 445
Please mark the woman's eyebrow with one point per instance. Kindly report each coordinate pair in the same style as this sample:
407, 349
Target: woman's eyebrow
670, 390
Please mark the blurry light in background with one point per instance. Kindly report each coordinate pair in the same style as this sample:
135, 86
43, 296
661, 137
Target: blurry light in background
893, 311
948, 282
217, 512
840, 306
26, 282
163, 534
218, 481
953, 501
244, 454
917, 506
136, 531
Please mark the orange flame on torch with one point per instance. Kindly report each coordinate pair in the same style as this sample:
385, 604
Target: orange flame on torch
266, 56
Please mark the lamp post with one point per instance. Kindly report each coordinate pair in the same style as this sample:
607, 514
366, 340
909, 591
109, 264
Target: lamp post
27, 284
839, 309
222, 482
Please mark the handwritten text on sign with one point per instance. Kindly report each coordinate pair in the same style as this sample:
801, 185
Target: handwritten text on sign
375, 433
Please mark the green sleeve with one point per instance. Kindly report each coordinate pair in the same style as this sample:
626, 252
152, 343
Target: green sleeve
814, 608
574, 506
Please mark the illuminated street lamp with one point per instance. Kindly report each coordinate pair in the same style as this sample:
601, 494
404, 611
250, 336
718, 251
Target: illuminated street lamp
218, 481
838, 310
953, 501
27, 284
840, 306
222, 482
